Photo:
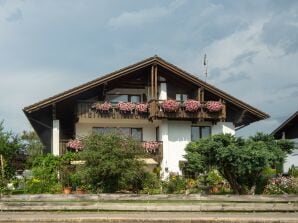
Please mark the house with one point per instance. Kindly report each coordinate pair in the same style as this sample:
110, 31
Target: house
73, 113
289, 130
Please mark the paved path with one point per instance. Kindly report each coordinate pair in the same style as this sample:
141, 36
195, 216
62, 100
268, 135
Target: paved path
148, 217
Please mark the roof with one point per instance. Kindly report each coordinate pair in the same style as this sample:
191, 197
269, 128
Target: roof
286, 123
149, 61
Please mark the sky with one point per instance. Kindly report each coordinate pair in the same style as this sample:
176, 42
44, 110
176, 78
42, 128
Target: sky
49, 46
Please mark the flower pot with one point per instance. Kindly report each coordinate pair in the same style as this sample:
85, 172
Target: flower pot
67, 190
80, 191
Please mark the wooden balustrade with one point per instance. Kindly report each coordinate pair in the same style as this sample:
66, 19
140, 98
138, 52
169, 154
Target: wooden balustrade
156, 111
85, 110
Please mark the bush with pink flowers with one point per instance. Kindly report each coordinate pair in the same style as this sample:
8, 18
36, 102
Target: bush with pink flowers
75, 144
191, 105
282, 185
142, 108
170, 106
151, 146
214, 106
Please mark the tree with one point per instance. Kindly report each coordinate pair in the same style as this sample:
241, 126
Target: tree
9, 145
239, 161
32, 145
112, 163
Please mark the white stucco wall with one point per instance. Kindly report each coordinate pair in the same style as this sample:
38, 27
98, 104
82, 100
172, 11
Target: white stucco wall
223, 127
175, 136
292, 159
55, 137
83, 129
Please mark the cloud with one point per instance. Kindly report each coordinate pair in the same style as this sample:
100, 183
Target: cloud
15, 16
140, 17
282, 30
236, 77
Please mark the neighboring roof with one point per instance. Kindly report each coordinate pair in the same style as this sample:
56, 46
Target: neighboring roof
151, 60
286, 123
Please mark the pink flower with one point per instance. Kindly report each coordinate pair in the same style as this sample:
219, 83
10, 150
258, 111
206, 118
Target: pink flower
142, 107
191, 105
170, 106
214, 106
104, 107
151, 146
126, 106
75, 144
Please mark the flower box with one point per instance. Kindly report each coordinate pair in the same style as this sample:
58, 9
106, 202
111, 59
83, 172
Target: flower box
214, 106
192, 105
126, 107
75, 145
142, 108
170, 106
151, 146
102, 107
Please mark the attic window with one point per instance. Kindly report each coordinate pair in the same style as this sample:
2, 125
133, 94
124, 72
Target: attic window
181, 97
115, 98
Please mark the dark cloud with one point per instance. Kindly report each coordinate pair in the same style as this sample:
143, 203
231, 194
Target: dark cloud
282, 31
15, 16
235, 77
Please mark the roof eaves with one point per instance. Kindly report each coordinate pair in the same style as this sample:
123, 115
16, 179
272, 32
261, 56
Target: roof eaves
87, 85
285, 123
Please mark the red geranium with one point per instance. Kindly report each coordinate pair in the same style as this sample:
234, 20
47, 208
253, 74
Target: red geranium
170, 106
192, 105
214, 106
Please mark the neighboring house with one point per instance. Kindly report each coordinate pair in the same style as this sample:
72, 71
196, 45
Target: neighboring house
289, 130
71, 114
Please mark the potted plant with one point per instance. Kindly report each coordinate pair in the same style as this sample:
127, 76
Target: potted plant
170, 106
214, 106
142, 107
126, 107
191, 105
103, 107
75, 145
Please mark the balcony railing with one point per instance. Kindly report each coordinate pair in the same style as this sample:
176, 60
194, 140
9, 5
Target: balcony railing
156, 155
156, 111
85, 110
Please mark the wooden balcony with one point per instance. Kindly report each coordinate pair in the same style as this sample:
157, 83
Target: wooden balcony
85, 110
157, 155
156, 112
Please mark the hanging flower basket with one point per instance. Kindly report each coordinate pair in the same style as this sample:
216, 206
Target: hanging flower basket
170, 106
103, 107
151, 146
214, 106
142, 108
191, 105
126, 107
75, 145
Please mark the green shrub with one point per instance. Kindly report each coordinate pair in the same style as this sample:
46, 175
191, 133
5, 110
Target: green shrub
151, 184
282, 185
175, 185
293, 171
112, 163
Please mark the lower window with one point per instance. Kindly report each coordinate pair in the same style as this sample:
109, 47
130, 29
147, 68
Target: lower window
135, 133
198, 132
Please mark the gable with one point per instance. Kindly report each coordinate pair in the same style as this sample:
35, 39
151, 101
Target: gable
136, 75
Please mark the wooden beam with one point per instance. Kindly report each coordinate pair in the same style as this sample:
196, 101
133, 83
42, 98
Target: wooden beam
155, 82
241, 117
199, 94
202, 94
152, 80
54, 113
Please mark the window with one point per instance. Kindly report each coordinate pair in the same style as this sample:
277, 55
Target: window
198, 132
115, 98
181, 97
136, 133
